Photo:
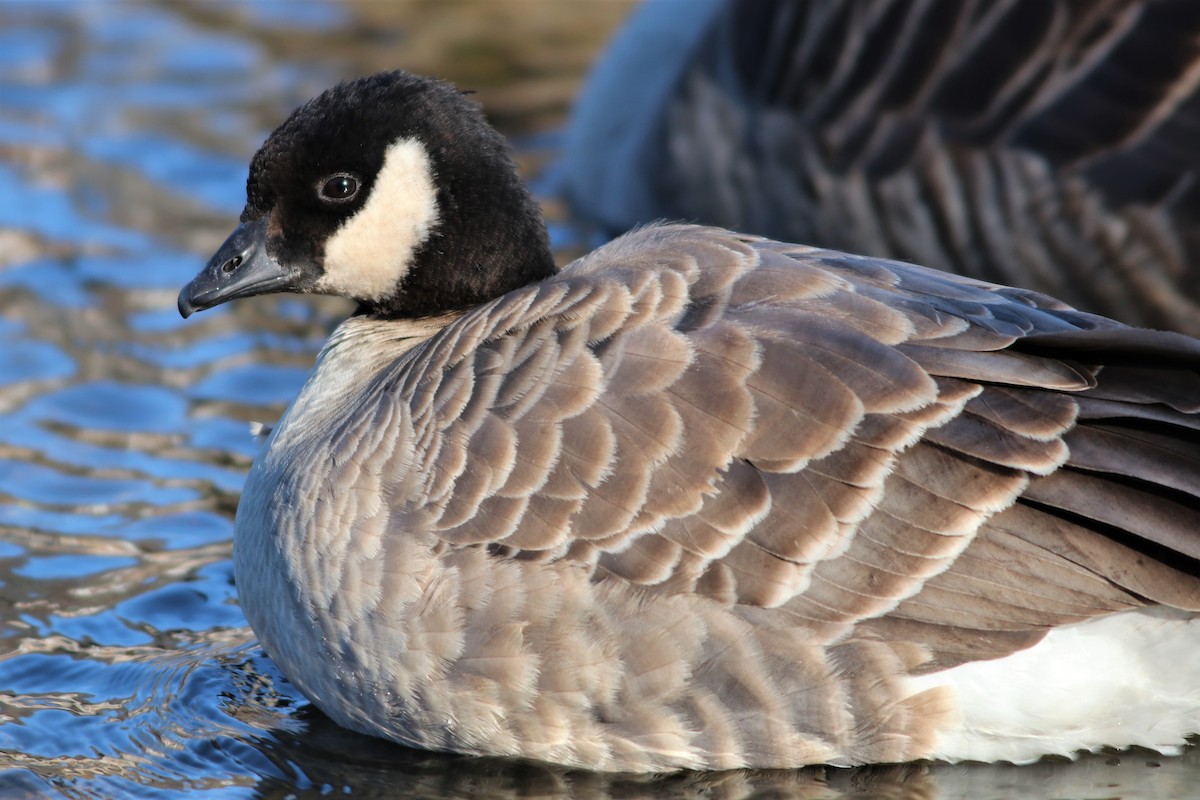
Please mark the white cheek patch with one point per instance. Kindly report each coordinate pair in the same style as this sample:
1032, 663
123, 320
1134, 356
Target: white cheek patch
367, 257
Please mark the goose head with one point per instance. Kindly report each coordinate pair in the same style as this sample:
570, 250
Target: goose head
391, 190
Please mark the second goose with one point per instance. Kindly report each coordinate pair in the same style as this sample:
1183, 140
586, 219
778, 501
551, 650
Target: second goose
1049, 144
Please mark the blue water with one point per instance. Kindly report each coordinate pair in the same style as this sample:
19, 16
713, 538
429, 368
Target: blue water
126, 667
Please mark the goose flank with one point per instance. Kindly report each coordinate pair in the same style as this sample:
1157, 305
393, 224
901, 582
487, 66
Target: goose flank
698, 499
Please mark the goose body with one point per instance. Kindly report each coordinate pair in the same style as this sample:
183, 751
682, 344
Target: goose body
698, 499
1048, 144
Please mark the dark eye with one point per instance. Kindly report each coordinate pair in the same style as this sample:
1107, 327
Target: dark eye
338, 188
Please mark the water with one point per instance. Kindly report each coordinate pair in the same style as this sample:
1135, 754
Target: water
126, 667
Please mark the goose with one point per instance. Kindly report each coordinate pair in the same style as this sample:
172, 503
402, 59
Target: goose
1047, 144
698, 499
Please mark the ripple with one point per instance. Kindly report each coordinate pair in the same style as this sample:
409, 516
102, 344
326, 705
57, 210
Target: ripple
50, 280
137, 455
209, 177
32, 360
182, 605
176, 531
158, 268
63, 522
190, 356
224, 435
48, 486
50, 213
73, 566
107, 405
258, 384
22, 50
174, 720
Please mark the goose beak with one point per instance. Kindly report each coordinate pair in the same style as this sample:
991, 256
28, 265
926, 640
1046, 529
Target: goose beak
241, 267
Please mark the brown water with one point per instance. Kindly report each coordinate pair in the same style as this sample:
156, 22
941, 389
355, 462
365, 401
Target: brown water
126, 667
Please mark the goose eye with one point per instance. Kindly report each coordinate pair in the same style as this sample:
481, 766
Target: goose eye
338, 188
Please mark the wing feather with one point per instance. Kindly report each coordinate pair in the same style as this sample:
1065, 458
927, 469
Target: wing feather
855, 447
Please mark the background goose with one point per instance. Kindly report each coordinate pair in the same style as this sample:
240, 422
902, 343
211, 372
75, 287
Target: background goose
698, 499
1050, 145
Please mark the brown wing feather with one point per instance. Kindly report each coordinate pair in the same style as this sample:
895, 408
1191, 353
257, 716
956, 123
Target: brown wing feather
864, 449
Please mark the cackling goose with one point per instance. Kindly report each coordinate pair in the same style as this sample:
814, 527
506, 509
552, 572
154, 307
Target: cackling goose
698, 499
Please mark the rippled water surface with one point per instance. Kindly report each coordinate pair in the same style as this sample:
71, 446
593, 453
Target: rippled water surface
126, 667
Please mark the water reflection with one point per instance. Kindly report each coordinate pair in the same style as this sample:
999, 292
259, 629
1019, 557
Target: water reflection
126, 667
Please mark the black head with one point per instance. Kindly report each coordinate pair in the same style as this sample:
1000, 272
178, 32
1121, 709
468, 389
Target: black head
391, 190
